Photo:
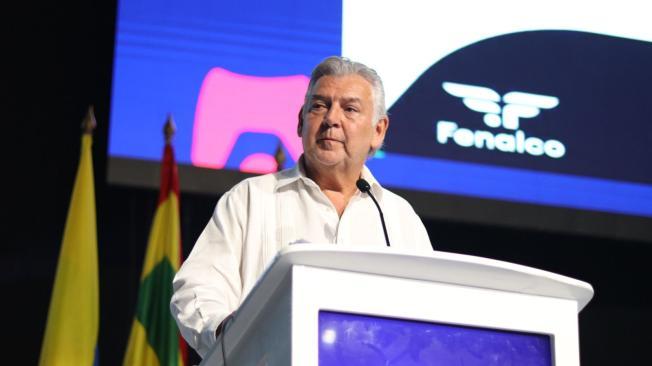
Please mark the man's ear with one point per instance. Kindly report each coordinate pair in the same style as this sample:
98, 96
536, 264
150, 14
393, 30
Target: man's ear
300, 124
379, 133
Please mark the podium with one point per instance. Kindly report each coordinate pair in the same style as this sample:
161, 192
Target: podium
332, 305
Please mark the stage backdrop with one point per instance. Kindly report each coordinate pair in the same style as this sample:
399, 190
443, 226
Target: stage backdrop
532, 114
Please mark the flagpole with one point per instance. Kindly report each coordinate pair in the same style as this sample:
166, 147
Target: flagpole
89, 122
169, 129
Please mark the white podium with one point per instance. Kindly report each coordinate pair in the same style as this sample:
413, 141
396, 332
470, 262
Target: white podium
328, 305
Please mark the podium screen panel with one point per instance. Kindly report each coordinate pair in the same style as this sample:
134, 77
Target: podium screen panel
352, 339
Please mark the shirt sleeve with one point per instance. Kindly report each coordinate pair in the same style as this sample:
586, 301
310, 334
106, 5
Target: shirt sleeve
208, 286
421, 238
416, 232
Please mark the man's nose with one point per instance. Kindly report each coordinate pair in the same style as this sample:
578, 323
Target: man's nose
333, 117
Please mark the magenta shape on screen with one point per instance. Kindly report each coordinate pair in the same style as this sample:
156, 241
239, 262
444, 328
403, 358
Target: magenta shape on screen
230, 105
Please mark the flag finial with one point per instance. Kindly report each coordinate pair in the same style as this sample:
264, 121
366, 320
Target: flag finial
169, 129
89, 123
279, 156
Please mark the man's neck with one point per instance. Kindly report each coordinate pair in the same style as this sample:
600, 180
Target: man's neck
339, 185
334, 178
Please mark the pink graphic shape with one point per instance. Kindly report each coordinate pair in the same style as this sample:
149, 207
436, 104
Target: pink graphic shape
259, 163
230, 104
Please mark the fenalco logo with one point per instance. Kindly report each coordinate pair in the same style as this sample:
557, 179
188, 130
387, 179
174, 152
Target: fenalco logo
515, 107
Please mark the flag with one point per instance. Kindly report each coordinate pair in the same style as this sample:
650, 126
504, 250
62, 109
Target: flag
73, 317
154, 338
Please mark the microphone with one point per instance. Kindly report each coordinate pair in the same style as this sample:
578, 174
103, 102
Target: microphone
364, 187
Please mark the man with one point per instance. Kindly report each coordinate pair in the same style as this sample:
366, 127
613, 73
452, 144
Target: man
342, 122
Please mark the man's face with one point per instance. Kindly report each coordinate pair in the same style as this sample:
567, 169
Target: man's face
337, 125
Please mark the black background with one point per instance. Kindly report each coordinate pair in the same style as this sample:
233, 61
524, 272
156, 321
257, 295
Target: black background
60, 61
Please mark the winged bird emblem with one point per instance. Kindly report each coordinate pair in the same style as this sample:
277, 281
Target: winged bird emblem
517, 104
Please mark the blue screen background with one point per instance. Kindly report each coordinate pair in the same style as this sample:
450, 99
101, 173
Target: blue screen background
164, 50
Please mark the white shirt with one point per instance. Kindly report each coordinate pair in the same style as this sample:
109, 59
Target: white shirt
262, 215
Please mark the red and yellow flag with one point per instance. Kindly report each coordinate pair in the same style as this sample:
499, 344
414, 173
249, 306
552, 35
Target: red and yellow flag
154, 338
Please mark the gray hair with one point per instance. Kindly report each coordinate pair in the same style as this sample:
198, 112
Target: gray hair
342, 66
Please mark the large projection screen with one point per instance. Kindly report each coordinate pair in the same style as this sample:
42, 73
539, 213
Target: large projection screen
531, 115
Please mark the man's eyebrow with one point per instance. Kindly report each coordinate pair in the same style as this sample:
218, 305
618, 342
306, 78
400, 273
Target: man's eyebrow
351, 99
324, 98
318, 97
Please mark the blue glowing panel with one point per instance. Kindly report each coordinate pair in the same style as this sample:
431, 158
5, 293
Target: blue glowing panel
181, 58
512, 184
551, 116
357, 340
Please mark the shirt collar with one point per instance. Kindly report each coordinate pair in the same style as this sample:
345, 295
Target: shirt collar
376, 188
292, 175
298, 172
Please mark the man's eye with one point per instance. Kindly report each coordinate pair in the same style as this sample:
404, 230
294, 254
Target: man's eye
351, 109
317, 106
